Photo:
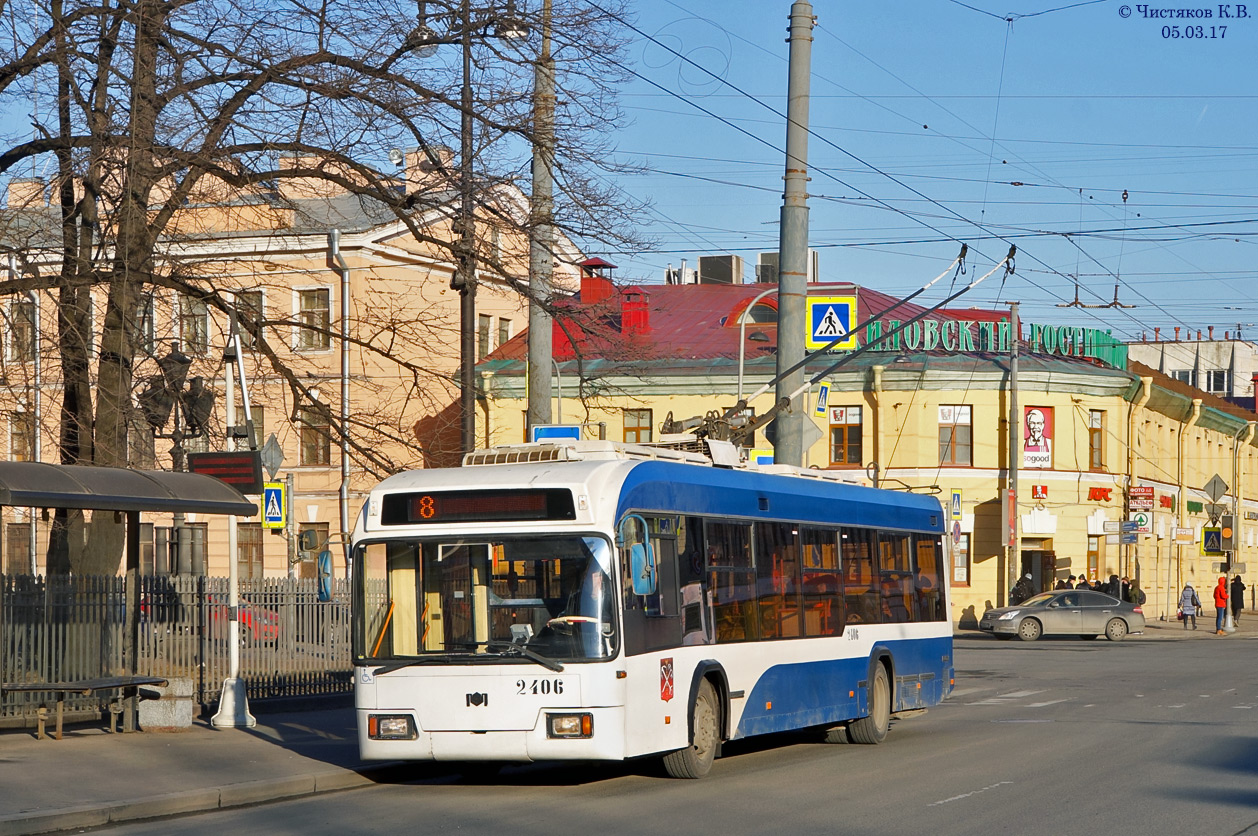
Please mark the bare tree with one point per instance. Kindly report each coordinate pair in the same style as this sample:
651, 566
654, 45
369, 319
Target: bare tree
141, 111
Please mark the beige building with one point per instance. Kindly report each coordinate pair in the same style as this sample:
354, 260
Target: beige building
266, 257
1100, 441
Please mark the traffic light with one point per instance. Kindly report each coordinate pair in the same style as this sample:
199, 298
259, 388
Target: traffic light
1227, 533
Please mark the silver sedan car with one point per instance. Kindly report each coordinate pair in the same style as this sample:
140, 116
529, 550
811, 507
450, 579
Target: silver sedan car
1070, 612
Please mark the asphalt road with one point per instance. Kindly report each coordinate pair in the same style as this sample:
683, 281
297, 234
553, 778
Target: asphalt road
1147, 736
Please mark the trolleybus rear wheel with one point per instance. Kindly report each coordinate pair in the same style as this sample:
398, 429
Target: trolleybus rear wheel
874, 728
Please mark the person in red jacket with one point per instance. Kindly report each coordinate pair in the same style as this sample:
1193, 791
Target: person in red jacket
1220, 606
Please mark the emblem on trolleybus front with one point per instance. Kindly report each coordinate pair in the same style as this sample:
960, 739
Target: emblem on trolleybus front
666, 679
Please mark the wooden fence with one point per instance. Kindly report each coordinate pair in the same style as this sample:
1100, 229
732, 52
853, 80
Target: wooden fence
64, 628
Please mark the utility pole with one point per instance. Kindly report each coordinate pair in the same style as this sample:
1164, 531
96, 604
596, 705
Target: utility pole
1012, 562
541, 232
793, 238
465, 269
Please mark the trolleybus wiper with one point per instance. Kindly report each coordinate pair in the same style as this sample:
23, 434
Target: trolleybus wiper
511, 648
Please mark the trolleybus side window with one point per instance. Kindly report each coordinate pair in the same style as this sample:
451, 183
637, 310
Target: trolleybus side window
696, 617
860, 581
899, 600
777, 580
731, 581
929, 579
822, 586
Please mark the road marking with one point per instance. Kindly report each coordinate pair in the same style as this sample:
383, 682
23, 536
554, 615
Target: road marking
963, 692
1242, 706
968, 794
1050, 702
1019, 694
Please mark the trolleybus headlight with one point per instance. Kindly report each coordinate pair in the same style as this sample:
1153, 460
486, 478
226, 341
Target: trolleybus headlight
390, 727
569, 725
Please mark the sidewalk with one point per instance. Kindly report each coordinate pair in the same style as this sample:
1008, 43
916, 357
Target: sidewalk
92, 778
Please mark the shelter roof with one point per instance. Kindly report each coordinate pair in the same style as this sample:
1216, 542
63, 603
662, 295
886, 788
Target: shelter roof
40, 485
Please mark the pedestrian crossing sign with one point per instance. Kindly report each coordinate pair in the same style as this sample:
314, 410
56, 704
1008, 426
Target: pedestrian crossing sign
823, 399
274, 505
1211, 541
954, 506
831, 318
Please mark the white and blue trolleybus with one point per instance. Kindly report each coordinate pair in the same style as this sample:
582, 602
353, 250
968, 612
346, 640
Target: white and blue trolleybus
582, 600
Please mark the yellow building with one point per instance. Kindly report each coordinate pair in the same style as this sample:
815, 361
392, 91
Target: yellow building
1099, 442
265, 256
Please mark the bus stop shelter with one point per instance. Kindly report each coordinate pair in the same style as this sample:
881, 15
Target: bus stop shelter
125, 491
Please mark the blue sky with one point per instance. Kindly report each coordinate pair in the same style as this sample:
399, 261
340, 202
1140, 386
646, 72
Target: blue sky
924, 114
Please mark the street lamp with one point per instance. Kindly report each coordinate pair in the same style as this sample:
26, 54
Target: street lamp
463, 23
191, 404
742, 335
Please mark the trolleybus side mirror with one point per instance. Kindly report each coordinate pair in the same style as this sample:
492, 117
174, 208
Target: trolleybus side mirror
635, 540
308, 540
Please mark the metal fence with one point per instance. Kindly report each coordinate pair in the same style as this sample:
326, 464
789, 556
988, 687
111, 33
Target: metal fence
65, 628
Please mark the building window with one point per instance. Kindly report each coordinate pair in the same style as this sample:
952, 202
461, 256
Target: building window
1094, 557
955, 435
961, 561
1096, 440
17, 549
258, 414
1188, 376
845, 435
483, 323
504, 331
148, 324
22, 318
1218, 381
316, 438
638, 425
21, 436
249, 550
315, 316
308, 568
194, 324
249, 317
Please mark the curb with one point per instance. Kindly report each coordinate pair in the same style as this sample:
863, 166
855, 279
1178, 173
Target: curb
191, 801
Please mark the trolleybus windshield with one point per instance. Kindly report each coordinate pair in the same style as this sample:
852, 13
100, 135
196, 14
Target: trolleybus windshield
484, 599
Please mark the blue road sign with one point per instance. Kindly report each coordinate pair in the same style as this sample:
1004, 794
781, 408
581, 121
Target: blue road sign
830, 318
1129, 526
1127, 538
547, 432
1211, 540
823, 398
273, 505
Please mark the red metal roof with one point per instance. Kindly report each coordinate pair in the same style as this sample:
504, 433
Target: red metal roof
700, 321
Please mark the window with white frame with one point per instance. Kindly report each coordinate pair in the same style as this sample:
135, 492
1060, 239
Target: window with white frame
249, 313
1188, 376
194, 324
316, 438
483, 323
314, 312
148, 324
1218, 381
504, 331
21, 436
22, 331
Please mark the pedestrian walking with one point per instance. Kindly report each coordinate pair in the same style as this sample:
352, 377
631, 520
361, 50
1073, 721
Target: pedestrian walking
1189, 603
1237, 598
1135, 594
1069, 583
1220, 605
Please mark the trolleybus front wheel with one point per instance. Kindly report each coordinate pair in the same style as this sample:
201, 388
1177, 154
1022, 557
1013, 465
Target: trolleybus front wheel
695, 760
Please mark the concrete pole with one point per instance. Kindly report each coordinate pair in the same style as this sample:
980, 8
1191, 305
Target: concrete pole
793, 239
541, 232
1012, 561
